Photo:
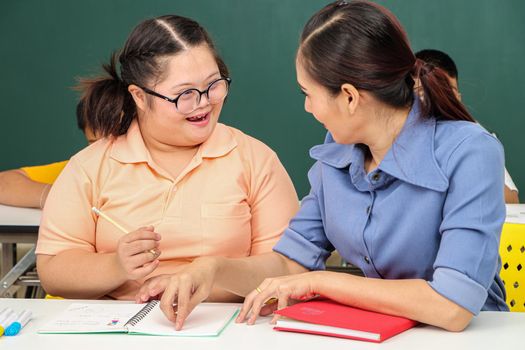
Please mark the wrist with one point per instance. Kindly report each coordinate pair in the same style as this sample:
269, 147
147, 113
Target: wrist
320, 281
316, 281
330, 283
119, 271
212, 264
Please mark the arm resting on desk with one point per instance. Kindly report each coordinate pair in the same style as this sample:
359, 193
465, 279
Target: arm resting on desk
78, 274
413, 299
17, 189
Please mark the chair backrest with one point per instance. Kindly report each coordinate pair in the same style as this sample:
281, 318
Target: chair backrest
512, 252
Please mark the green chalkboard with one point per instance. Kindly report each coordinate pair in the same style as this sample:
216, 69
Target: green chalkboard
44, 45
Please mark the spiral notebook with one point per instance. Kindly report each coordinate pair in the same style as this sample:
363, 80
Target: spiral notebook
206, 320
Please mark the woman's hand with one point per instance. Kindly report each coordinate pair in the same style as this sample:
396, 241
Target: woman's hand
137, 253
287, 290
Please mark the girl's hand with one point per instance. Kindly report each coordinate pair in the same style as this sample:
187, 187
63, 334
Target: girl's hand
286, 289
154, 287
186, 288
137, 253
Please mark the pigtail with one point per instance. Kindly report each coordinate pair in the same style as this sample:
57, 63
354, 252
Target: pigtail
108, 107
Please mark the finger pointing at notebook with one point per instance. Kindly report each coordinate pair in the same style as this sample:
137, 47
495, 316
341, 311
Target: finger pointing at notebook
187, 288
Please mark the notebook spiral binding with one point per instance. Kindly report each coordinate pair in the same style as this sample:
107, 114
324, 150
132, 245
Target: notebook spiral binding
142, 313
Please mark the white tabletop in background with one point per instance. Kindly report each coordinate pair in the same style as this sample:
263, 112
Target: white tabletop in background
516, 215
16, 216
490, 331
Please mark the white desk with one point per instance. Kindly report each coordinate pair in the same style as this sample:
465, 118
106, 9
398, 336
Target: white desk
515, 214
490, 331
17, 225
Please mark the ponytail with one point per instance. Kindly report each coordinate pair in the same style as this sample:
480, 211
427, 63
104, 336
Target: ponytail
108, 107
438, 98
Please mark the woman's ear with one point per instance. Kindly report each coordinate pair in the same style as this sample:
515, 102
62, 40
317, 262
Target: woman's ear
138, 96
351, 96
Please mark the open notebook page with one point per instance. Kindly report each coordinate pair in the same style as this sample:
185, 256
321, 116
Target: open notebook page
206, 320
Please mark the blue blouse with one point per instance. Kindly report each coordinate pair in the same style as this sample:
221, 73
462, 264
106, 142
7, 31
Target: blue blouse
433, 210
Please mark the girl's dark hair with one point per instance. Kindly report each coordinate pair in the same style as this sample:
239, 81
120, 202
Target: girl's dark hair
363, 44
109, 108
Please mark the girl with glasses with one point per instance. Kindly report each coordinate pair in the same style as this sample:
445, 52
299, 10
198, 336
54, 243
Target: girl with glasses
169, 183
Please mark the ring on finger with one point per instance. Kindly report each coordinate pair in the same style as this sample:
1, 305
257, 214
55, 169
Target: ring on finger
154, 252
259, 290
271, 301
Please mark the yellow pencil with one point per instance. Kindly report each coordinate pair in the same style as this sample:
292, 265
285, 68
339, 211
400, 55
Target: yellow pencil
99, 212
117, 225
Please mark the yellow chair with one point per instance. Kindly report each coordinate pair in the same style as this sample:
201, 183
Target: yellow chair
512, 252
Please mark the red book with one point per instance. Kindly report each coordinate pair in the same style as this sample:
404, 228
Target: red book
326, 317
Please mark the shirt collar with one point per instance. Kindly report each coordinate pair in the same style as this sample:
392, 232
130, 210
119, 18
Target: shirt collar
130, 148
411, 158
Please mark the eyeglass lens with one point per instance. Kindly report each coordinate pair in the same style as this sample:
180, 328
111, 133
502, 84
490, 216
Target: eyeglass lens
190, 99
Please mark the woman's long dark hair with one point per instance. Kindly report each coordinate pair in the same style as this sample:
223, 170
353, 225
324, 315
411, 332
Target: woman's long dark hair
109, 108
363, 44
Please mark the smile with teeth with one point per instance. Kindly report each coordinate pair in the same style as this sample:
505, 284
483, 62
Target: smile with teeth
197, 118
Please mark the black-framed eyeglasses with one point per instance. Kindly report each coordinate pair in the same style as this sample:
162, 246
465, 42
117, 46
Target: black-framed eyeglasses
188, 100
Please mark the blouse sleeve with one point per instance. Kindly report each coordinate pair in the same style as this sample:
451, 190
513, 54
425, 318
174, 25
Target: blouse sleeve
305, 241
473, 215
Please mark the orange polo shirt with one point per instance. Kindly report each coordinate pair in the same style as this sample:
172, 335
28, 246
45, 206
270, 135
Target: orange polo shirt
234, 199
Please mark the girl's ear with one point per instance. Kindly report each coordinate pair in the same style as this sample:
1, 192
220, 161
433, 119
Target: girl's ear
138, 96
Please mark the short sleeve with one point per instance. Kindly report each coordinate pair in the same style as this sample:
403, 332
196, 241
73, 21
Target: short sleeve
473, 214
67, 221
45, 173
305, 241
273, 203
